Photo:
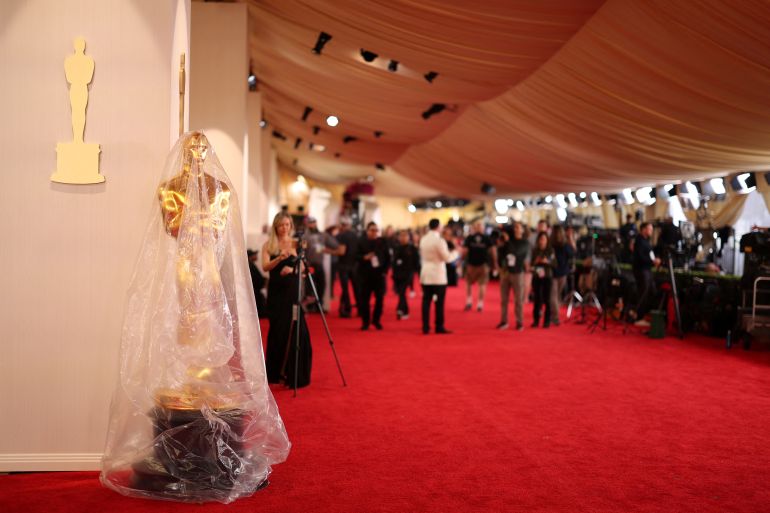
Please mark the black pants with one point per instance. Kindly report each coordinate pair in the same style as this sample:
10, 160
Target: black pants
428, 291
645, 285
401, 286
541, 289
371, 285
345, 276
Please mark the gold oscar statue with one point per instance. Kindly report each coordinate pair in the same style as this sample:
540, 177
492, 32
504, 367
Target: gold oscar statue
187, 457
198, 281
78, 162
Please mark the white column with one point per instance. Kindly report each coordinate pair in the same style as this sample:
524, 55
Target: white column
218, 71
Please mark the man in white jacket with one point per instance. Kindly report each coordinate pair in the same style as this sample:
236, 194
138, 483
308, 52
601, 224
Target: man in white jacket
434, 255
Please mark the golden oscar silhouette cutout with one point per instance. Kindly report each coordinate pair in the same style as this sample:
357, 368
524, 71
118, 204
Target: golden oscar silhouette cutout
76, 161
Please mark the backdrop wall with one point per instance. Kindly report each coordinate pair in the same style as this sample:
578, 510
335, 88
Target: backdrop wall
68, 251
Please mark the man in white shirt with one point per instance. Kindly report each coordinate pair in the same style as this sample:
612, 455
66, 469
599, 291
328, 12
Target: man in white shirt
434, 254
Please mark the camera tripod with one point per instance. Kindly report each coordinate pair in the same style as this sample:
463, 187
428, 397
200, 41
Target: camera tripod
297, 313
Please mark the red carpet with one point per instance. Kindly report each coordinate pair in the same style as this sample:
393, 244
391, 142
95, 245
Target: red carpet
551, 420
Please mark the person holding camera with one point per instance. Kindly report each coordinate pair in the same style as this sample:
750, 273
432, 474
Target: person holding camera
643, 261
279, 258
373, 263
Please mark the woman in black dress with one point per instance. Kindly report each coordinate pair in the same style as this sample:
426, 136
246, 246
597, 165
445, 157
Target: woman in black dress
278, 258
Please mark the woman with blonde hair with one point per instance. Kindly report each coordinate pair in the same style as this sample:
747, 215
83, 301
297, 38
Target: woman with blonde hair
279, 258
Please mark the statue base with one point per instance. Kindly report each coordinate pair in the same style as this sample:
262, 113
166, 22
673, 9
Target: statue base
77, 163
194, 456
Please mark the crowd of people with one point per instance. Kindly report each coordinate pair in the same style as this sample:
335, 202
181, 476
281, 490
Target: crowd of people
537, 263
530, 263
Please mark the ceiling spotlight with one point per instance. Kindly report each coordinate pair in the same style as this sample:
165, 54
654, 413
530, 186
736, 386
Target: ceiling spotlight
487, 188
548, 198
520, 205
323, 38
262, 123
501, 205
744, 183
367, 55
433, 110
411, 208
316, 129
349, 138
572, 199
297, 143
644, 195
717, 185
252, 80
439, 204
595, 199
332, 121
279, 135
393, 66
583, 195
377, 134
317, 147
430, 76
379, 166
306, 113
561, 201
628, 198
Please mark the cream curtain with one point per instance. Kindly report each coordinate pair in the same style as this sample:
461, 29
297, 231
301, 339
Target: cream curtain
541, 96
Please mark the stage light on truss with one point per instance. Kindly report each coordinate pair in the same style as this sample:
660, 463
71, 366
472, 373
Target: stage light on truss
411, 208
628, 197
501, 205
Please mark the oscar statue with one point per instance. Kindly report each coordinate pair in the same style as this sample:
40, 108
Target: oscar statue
77, 162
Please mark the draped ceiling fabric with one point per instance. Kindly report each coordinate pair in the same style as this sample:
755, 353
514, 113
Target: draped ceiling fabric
541, 96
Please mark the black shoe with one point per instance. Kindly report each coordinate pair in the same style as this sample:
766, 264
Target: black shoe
365, 327
443, 331
377, 325
425, 331
344, 316
545, 325
519, 327
534, 324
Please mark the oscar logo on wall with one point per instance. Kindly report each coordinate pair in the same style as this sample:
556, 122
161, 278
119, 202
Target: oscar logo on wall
77, 162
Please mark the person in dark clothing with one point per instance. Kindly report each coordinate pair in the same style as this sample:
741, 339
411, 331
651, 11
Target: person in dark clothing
542, 271
513, 258
564, 255
258, 282
451, 266
279, 257
405, 261
627, 235
478, 255
373, 263
643, 261
346, 265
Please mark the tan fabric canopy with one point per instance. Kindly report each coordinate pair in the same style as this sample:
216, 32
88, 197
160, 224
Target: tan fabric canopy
541, 96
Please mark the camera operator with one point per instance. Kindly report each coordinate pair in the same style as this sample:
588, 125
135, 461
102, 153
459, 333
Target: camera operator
643, 261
